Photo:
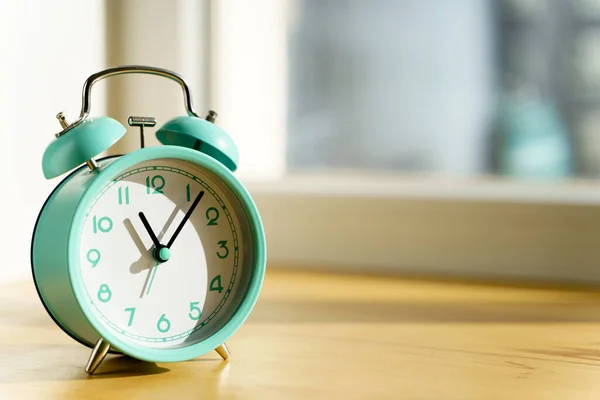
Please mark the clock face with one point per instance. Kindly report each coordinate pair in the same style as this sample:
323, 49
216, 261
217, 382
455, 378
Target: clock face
189, 290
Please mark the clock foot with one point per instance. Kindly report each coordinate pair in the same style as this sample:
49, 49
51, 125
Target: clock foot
223, 351
98, 353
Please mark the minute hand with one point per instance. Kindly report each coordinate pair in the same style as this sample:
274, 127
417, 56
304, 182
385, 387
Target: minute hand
185, 218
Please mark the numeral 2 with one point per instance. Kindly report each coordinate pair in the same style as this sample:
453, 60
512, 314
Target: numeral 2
155, 185
212, 215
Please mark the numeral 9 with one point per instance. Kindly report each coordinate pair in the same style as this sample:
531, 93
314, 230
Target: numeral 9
93, 256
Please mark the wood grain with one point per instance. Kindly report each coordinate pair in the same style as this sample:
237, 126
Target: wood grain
321, 336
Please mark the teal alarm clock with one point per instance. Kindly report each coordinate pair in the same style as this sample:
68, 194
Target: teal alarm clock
158, 254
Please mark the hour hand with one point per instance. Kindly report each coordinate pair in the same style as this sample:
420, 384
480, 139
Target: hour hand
149, 230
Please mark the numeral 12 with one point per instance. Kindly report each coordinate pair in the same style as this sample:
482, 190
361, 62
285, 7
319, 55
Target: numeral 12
155, 185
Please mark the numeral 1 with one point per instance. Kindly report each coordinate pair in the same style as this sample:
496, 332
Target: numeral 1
188, 192
120, 192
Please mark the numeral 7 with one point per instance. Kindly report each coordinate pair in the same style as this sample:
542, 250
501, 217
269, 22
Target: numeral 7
132, 311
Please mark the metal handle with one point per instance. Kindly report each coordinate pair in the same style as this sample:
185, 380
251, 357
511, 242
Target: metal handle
86, 104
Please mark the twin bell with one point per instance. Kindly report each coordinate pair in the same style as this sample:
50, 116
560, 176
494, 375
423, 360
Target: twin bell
83, 140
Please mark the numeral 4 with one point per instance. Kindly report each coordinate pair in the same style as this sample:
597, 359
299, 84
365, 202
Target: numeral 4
215, 284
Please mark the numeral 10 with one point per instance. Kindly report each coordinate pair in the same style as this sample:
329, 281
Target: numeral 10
102, 224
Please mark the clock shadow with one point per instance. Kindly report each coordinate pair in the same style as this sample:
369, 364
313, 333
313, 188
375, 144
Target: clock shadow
146, 261
62, 362
230, 306
123, 366
202, 231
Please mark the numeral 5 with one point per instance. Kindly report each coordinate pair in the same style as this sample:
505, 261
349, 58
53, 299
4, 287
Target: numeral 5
194, 307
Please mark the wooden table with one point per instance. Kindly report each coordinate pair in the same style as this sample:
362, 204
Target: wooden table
319, 336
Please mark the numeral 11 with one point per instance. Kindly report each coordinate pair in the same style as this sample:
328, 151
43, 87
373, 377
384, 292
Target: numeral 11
120, 192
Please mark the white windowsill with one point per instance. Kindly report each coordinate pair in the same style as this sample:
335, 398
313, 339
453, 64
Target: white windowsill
422, 186
485, 228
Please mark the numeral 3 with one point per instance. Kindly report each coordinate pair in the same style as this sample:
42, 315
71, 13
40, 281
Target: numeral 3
223, 249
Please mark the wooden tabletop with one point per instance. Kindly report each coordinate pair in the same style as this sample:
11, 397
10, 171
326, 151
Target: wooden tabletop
320, 336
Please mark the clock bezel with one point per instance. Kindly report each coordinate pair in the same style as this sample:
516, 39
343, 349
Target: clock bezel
140, 351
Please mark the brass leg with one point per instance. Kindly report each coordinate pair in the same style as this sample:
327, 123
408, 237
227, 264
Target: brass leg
98, 353
223, 351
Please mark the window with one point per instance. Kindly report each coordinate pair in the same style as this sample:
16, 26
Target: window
415, 136
468, 88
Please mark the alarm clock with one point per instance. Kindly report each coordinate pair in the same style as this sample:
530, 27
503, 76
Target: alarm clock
158, 254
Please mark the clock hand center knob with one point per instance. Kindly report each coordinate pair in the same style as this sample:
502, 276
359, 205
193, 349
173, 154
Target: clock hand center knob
161, 254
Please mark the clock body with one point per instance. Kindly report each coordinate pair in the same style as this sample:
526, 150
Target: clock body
96, 271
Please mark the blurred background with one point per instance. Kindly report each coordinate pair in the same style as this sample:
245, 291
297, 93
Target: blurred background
423, 137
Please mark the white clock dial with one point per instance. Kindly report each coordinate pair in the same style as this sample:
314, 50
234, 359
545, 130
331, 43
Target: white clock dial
192, 294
